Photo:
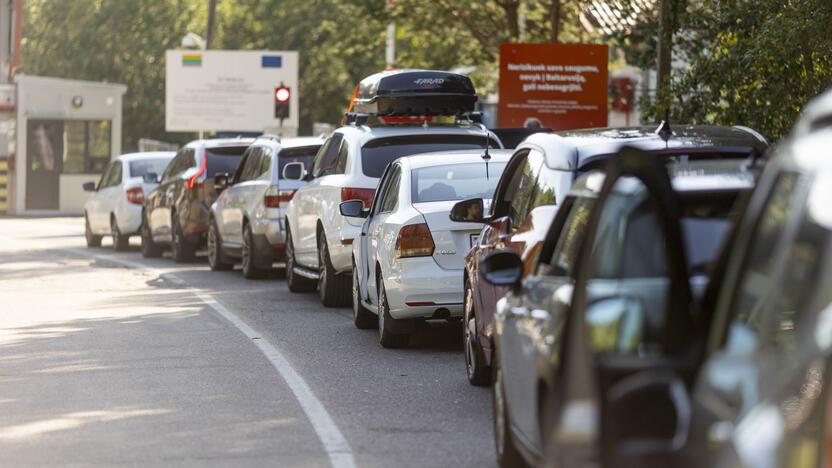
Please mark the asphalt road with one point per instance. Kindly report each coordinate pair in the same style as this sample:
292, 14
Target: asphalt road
110, 359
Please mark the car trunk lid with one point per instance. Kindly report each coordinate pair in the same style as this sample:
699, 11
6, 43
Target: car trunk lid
453, 240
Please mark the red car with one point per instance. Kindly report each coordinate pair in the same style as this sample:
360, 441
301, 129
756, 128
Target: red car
535, 182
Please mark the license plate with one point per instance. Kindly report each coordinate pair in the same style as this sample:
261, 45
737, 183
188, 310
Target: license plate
475, 239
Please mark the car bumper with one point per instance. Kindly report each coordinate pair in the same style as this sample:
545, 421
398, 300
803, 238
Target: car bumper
130, 219
419, 288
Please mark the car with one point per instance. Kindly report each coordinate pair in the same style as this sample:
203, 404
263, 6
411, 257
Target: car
176, 213
115, 205
407, 264
611, 262
348, 166
247, 219
534, 185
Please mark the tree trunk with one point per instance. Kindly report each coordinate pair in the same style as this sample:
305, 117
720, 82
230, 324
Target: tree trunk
512, 7
555, 11
663, 60
212, 13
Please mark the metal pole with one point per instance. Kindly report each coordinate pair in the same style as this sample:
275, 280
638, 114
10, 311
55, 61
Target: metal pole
390, 50
212, 14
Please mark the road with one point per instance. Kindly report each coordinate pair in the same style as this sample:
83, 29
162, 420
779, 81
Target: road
110, 359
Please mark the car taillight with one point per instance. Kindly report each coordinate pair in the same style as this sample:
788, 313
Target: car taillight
414, 241
135, 195
274, 197
363, 194
192, 181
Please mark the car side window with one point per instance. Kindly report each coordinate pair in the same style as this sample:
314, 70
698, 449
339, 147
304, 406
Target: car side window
521, 189
341, 160
327, 156
546, 185
251, 165
115, 174
266, 157
391, 195
105, 176
184, 159
568, 246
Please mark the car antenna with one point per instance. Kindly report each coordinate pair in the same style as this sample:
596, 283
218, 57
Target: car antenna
664, 131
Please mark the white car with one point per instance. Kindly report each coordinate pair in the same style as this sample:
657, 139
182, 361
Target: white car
247, 219
115, 206
410, 258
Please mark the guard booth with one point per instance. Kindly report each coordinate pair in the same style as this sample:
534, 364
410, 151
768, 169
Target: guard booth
66, 131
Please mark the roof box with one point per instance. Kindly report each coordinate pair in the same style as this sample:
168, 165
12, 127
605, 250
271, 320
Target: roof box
415, 92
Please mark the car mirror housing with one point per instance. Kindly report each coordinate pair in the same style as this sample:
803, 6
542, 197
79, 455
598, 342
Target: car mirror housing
294, 171
468, 211
150, 178
502, 268
221, 182
89, 186
353, 209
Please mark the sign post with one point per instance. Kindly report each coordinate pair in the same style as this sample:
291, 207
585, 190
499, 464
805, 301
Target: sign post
230, 91
557, 86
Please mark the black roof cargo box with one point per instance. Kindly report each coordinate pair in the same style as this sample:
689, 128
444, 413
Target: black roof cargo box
415, 92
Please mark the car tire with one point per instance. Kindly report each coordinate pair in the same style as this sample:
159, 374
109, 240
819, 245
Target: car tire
362, 317
120, 241
507, 454
386, 337
92, 239
182, 250
333, 289
217, 259
150, 249
478, 373
295, 282
248, 255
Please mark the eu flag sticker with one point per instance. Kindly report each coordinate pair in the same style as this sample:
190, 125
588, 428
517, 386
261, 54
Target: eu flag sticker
271, 61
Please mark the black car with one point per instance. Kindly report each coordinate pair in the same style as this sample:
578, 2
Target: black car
626, 244
177, 212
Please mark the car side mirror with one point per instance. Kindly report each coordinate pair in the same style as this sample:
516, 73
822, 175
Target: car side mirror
89, 186
150, 178
294, 171
353, 209
502, 268
647, 417
221, 181
468, 211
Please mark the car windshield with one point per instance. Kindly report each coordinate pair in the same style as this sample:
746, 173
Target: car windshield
378, 153
147, 166
304, 154
455, 181
223, 159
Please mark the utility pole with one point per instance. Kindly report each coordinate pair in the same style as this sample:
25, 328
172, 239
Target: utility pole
555, 10
390, 49
212, 14
667, 26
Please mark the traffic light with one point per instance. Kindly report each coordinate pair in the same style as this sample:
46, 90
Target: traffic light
282, 98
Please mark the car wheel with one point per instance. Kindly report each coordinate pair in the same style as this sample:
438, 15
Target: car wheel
120, 241
386, 337
507, 454
248, 254
150, 249
92, 239
217, 259
478, 373
182, 250
362, 317
334, 289
295, 282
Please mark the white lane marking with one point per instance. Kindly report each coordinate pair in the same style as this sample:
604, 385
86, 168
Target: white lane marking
335, 444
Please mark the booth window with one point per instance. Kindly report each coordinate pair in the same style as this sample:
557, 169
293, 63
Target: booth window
86, 146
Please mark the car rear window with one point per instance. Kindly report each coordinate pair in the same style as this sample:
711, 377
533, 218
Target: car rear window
706, 218
304, 154
223, 160
378, 153
455, 181
146, 166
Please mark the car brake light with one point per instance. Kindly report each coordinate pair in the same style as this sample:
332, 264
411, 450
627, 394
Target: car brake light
192, 180
135, 195
274, 197
414, 241
363, 194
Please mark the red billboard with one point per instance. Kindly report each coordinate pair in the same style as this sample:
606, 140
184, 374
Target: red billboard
558, 86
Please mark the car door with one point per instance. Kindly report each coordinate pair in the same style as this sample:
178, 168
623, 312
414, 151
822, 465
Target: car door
168, 190
109, 195
309, 203
95, 205
532, 317
363, 260
379, 231
234, 200
629, 331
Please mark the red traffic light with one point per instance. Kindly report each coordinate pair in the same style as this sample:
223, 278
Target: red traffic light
281, 94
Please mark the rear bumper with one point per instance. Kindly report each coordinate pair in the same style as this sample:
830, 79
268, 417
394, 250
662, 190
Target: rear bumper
419, 288
129, 219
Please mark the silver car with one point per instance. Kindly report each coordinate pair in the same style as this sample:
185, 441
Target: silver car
247, 220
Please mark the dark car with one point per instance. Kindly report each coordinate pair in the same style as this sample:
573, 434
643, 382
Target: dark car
613, 259
534, 184
177, 212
